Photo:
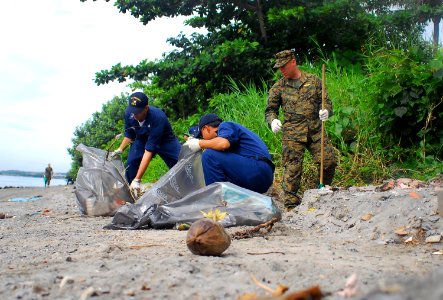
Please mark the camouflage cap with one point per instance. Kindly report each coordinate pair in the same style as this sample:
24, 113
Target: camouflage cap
283, 57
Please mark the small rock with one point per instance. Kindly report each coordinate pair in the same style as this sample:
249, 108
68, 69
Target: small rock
366, 217
433, 239
90, 291
434, 219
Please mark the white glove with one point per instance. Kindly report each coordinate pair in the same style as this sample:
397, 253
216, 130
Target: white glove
275, 125
193, 144
115, 154
135, 187
323, 114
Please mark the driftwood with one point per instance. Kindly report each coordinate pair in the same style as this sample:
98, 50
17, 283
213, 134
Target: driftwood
249, 233
279, 293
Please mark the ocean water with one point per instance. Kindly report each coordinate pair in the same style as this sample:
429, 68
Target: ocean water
6, 180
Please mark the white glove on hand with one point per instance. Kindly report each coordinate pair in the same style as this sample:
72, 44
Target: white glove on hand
193, 144
115, 154
323, 114
135, 188
275, 125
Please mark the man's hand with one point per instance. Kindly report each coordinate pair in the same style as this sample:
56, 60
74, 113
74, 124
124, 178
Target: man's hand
115, 154
193, 144
135, 188
275, 125
323, 114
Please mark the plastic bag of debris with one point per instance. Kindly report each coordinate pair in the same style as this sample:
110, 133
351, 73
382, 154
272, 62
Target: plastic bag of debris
182, 179
243, 207
101, 188
180, 196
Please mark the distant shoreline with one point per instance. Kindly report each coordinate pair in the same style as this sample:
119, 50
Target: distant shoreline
31, 174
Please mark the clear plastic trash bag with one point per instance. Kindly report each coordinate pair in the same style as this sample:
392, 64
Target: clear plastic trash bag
182, 179
101, 187
243, 207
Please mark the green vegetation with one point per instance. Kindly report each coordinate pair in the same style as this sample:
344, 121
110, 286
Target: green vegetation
385, 82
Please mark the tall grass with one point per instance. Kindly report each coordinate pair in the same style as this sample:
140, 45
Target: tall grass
353, 128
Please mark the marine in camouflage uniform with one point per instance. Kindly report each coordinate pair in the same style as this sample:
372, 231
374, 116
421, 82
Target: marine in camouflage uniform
300, 100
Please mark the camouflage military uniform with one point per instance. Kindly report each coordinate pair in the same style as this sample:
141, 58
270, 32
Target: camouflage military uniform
300, 100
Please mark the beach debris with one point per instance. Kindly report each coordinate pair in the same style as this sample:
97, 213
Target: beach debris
351, 288
215, 215
89, 292
433, 239
262, 253
182, 226
386, 187
439, 252
38, 289
5, 216
249, 233
313, 293
207, 236
408, 183
402, 183
410, 240
138, 247
26, 199
367, 217
401, 231
66, 280
415, 195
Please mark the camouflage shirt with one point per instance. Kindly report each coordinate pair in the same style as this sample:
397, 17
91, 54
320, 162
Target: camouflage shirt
300, 100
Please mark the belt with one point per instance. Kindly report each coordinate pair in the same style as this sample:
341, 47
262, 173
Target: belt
265, 159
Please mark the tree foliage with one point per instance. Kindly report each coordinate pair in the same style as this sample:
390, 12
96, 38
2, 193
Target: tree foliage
241, 40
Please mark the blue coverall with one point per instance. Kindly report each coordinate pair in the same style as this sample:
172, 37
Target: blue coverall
154, 135
247, 163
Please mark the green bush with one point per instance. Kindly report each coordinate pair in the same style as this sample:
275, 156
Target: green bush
407, 95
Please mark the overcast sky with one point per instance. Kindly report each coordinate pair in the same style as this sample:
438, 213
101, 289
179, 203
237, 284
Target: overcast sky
49, 53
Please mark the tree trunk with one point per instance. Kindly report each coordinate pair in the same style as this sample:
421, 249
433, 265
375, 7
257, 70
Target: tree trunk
436, 33
257, 10
261, 22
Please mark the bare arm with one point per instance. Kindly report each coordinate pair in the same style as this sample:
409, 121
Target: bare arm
126, 141
147, 157
217, 143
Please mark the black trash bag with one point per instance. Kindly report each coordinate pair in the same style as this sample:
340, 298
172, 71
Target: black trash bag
182, 179
101, 187
243, 207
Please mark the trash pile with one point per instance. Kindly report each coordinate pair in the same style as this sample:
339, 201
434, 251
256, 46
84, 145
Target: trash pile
181, 196
400, 211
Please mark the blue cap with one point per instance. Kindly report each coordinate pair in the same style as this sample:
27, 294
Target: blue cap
193, 131
205, 120
137, 102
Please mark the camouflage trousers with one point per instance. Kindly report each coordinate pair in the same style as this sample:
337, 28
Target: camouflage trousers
292, 160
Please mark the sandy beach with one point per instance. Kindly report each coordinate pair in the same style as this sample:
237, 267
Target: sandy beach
383, 236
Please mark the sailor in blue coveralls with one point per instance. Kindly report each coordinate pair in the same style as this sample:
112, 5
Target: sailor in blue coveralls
149, 132
233, 153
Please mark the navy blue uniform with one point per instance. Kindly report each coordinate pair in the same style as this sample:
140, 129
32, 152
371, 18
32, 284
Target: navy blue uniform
155, 135
247, 162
